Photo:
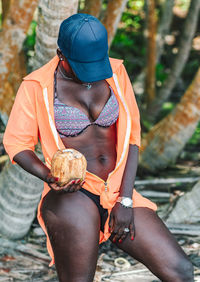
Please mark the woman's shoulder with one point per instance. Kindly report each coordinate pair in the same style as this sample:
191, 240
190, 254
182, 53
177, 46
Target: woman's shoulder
43, 75
116, 64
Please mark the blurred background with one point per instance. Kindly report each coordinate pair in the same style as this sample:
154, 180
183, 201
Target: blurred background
159, 41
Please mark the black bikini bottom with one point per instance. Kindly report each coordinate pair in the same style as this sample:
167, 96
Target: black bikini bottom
96, 199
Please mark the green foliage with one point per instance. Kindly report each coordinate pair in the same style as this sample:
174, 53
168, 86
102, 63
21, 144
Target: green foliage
183, 4
29, 43
168, 106
190, 68
129, 40
146, 124
160, 73
195, 139
136, 5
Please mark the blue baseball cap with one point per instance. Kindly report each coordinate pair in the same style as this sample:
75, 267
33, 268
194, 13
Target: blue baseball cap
83, 41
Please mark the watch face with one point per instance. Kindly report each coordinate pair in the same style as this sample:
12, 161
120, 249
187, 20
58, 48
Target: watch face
127, 202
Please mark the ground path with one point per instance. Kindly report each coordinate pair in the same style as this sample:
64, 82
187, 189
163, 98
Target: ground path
27, 260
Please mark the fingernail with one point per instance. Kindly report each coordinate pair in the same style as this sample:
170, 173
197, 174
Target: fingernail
56, 178
73, 181
78, 181
132, 238
83, 182
120, 240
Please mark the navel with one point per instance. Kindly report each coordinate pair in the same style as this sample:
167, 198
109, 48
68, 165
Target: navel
102, 159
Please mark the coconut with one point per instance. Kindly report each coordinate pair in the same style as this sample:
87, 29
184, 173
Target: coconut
68, 164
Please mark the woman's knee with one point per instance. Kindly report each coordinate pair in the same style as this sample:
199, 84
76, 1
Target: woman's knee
182, 271
186, 270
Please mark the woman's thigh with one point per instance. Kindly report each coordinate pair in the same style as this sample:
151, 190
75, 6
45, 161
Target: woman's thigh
72, 221
157, 248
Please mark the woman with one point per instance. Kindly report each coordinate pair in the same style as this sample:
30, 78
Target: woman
85, 101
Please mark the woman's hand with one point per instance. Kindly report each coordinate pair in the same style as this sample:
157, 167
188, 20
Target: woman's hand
73, 186
121, 218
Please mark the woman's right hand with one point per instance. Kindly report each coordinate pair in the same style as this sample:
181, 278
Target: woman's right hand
73, 186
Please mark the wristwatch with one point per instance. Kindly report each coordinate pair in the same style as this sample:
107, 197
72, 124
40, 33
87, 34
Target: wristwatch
125, 202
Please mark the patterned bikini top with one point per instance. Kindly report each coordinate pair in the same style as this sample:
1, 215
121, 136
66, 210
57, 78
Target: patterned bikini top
70, 121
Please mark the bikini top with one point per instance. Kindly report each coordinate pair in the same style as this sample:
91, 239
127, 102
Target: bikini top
71, 121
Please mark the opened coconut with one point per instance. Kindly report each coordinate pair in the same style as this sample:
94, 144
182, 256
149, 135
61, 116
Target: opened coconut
68, 164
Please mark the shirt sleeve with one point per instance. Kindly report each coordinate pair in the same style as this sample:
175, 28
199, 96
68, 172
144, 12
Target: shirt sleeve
22, 128
135, 137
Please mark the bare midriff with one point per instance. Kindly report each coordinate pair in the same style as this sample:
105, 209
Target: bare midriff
98, 144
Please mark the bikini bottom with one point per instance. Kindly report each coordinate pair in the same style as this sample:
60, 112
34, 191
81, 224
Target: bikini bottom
96, 199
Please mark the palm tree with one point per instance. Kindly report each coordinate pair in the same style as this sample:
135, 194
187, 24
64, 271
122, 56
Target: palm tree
112, 17
19, 195
16, 21
19, 190
184, 47
93, 7
166, 139
50, 15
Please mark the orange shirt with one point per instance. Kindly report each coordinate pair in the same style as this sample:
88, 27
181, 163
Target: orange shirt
32, 118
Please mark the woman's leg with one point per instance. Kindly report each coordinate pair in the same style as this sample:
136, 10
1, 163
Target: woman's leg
156, 248
72, 221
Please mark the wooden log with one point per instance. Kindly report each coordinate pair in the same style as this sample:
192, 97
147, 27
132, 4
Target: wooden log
184, 229
159, 181
155, 194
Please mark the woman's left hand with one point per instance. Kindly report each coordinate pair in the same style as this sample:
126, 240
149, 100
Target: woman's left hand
121, 218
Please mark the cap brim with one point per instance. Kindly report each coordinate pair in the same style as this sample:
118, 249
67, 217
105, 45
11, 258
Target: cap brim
93, 71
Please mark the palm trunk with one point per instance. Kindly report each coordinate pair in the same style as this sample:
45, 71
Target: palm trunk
164, 26
93, 7
19, 195
151, 52
13, 34
50, 15
5, 8
19, 190
187, 209
166, 139
179, 62
112, 17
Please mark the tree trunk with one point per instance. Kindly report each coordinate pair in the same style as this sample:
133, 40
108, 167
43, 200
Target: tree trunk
19, 195
19, 190
13, 34
166, 139
151, 52
112, 17
5, 8
93, 7
187, 209
164, 26
179, 62
50, 15
162, 30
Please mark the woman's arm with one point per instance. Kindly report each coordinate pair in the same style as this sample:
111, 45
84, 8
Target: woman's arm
122, 217
128, 180
29, 161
